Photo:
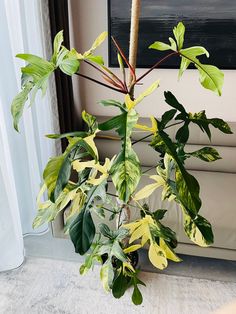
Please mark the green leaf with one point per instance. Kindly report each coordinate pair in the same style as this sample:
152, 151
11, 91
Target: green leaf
69, 134
90, 120
167, 117
120, 285
220, 125
198, 229
211, 77
171, 100
96, 59
18, 103
58, 39
206, 154
159, 214
203, 122
82, 230
158, 45
189, 54
179, 32
69, 65
137, 297
182, 135
111, 102
187, 190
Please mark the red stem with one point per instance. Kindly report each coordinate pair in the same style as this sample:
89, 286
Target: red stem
100, 83
156, 65
105, 74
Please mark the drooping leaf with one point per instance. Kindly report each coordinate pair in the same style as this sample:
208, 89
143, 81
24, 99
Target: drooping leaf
157, 256
18, 103
170, 254
107, 275
198, 229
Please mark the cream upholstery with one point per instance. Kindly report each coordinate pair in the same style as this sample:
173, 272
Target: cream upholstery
217, 181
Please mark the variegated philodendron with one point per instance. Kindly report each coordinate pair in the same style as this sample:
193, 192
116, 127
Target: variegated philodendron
88, 194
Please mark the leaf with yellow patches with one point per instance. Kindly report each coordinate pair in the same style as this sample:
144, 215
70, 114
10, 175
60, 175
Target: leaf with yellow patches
157, 256
168, 251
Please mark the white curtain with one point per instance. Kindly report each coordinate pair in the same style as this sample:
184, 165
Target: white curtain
22, 156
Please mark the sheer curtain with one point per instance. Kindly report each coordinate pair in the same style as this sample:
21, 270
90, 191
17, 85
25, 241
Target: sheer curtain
24, 27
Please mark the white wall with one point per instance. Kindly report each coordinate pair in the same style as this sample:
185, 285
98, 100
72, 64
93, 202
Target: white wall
89, 19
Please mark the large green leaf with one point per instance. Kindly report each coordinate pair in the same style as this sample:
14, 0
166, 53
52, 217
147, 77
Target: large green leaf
82, 230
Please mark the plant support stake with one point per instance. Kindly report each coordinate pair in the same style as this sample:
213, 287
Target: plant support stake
133, 44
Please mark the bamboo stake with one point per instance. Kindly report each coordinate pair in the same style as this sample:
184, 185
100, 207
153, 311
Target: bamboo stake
133, 44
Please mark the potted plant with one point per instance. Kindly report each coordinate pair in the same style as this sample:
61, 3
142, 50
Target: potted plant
116, 250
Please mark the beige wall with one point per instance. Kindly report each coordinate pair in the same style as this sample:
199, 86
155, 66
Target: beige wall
89, 19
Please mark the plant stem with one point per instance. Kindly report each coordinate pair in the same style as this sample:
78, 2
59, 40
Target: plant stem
105, 74
149, 169
109, 210
168, 126
100, 83
141, 139
156, 65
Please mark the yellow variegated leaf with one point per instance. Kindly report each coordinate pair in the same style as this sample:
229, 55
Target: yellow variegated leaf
132, 248
147, 92
41, 205
104, 169
81, 165
169, 253
150, 188
132, 226
146, 191
129, 266
90, 141
99, 40
69, 196
157, 256
139, 232
77, 204
144, 240
129, 102
153, 129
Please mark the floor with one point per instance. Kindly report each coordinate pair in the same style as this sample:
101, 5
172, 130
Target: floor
44, 286
49, 282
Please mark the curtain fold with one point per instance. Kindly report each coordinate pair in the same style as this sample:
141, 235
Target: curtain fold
24, 155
